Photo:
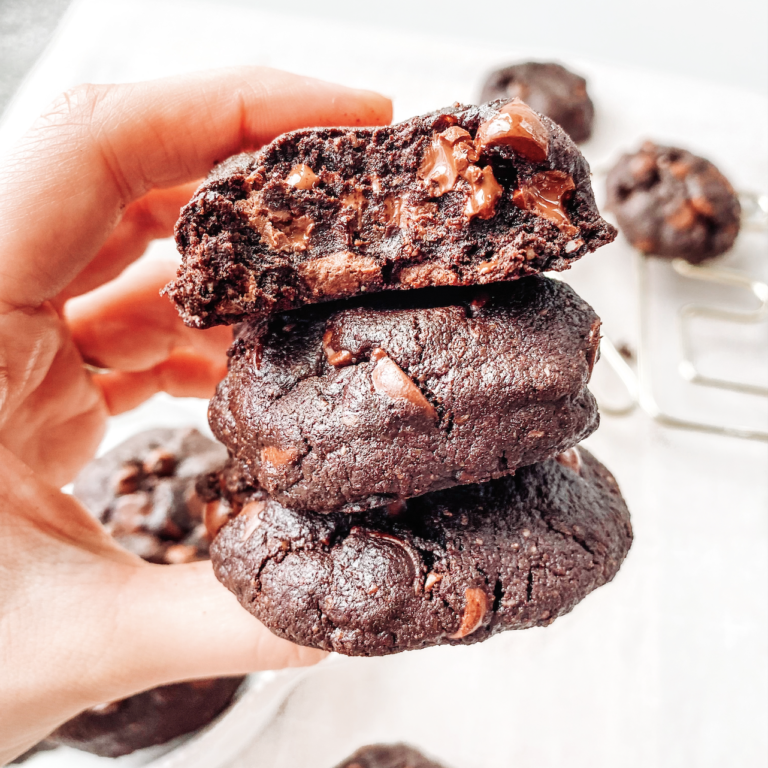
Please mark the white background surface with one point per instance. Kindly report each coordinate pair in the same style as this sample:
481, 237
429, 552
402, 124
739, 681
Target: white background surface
667, 665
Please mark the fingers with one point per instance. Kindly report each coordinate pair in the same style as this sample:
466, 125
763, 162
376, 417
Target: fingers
149, 218
128, 326
99, 148
186, 373
120, 625
184, 625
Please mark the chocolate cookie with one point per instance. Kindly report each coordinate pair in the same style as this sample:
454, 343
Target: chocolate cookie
388, 756
452, 567
548, 88
671, 203
356, 405
461, 196
144, 492
149, 718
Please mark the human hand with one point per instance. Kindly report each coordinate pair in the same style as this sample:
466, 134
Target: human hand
98, 176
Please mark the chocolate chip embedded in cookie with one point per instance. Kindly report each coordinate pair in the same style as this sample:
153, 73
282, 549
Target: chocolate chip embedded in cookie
462, 196
452, 567
671, 203
144, 492
149, 718
354, 405
388, 756
548, 88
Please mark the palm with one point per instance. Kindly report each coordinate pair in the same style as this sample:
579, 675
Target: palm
55, 415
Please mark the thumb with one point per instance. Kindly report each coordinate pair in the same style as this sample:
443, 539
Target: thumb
83, 622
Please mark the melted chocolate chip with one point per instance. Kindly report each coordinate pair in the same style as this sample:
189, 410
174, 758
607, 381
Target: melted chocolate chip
516, 125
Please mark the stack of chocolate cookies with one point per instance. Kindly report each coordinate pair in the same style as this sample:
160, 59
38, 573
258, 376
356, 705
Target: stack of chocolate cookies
403, 464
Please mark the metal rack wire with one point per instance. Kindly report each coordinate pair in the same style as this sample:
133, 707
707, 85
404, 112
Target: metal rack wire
638, 381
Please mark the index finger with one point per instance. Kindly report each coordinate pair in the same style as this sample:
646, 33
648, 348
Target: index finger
63, 188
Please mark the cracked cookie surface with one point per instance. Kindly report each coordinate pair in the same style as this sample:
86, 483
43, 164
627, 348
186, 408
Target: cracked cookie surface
671, 203
355, 405
462, 196
452, 567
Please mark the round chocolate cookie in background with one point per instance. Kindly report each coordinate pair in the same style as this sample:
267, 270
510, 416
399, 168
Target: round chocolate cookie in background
452, 567
144, 493
149, 718
388, 756
548, 88
357, 405
671, 203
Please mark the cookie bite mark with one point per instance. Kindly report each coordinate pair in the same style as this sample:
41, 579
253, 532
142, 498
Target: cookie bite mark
390, 380
544, 195
358, 209
516, 125
301, 177
475, 607
340, 274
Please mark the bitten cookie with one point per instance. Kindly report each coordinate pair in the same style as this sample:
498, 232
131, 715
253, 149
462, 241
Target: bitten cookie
144, 492
388, 756
452, 567
356, 405
671, 203
461, 196
149, 718
548, 88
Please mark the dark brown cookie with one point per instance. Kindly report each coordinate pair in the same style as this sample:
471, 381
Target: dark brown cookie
388, 756
451, 567
144, 492
356, 405
671, 203
548, 88
149, 718
462, 196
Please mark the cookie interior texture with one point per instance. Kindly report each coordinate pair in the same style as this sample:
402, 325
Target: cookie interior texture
672, 203
451, 567
388, 756
363, 403
462, 196
548, 88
